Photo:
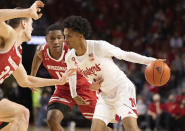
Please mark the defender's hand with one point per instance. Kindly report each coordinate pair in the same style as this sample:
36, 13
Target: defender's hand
67, 74
97, 84
80, 101
35, 9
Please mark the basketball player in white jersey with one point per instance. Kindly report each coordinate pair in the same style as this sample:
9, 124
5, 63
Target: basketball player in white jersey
11, 37
93, 58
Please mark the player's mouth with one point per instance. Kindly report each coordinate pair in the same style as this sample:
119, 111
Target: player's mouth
56, 47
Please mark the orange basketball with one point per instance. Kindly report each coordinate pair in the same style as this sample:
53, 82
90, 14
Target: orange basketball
157, 73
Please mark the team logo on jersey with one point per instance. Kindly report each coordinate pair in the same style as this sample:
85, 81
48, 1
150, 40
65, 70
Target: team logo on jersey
58, 68
91, 70
73, 59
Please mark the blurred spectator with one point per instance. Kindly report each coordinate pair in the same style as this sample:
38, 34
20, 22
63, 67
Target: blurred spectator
141, 110
180, 116
176, 41
169, 107
36, 95
154, 113
45, 96
181, 96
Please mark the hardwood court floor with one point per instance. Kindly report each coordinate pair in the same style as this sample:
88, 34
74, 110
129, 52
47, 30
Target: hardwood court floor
33, 128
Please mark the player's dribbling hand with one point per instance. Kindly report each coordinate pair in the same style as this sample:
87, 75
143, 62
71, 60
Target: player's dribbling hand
80, 101
35, 9
97, 84
163, 60
65, 76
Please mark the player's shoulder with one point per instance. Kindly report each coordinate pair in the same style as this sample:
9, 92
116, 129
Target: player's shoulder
41, 47
97, 42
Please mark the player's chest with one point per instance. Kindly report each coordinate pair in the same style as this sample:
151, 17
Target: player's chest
90, 67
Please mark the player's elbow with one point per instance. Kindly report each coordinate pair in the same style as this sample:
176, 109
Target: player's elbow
24, 83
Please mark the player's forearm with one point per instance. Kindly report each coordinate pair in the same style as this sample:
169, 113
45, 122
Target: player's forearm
33, 72
32, 81
6, 14
37, 60
35, 68
72, 85
137, 58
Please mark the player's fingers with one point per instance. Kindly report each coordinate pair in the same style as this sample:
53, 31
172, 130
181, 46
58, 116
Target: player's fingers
39, 3
87, 102
93, 89
38, 9
163, 60
101, 81
70, 72
40, 15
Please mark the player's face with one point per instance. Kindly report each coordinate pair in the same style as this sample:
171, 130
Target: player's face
72, 38
55, 40
28, 28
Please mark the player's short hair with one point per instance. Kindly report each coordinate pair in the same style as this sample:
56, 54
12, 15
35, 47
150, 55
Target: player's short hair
54, 27
14, 23
78, 24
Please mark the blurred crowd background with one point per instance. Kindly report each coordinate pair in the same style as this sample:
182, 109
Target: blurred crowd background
153, 28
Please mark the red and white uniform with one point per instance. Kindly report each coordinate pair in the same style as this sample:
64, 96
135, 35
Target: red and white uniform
63, 93
117, 97
10, 61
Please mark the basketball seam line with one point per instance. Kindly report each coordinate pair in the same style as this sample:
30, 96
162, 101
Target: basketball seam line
153, 73
162, 73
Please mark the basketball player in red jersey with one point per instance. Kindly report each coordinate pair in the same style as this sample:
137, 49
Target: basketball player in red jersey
11, 36
52, 55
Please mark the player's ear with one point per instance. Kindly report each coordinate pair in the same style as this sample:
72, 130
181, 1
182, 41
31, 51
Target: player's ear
23, 24
81, 36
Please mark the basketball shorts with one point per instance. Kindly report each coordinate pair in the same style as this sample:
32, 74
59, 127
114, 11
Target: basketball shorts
124, 106
62, 100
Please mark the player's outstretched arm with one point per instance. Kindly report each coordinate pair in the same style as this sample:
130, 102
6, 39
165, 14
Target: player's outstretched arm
37, 60
32, 12
25, 80
113, 51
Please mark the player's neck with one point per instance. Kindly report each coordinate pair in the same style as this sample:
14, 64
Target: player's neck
19, 37
55, 55
82, 49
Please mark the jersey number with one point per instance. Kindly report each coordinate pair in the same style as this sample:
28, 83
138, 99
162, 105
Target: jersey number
59, 74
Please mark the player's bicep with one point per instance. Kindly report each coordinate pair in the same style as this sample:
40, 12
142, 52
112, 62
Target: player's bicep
108, 50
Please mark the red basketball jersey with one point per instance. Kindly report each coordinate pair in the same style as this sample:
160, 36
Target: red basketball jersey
56, 68
10, 61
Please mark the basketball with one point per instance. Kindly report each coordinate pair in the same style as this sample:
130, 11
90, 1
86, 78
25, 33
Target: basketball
157, 73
